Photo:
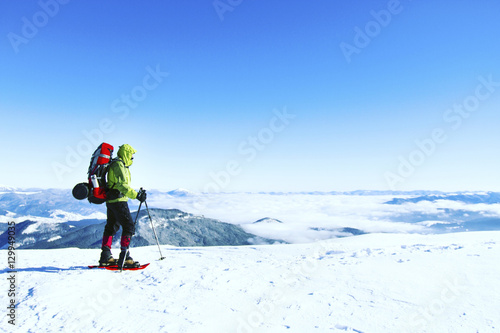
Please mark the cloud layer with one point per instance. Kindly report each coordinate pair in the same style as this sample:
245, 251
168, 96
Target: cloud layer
309, 217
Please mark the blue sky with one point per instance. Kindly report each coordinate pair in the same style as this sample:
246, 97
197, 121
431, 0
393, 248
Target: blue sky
196, 86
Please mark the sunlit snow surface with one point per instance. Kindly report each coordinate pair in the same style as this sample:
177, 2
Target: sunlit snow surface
368, 283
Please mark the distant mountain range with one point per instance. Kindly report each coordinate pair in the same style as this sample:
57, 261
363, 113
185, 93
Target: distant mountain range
446, 219
468, 198
52, 218
173, 227
59, 203
45, 203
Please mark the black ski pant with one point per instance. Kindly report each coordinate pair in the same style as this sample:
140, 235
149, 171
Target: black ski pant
119, 214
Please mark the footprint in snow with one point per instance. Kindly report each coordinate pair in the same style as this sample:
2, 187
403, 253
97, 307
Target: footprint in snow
347, 328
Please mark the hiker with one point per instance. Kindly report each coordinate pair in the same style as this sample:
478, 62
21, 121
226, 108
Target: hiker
118, 212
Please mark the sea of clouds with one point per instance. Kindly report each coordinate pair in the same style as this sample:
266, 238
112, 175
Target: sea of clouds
310, 217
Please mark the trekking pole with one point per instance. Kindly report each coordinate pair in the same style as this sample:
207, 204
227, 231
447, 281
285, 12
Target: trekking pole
138, 211
154, 231
123, 263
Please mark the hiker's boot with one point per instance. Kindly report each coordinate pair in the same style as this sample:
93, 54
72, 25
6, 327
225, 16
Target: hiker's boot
126, 261
107, 258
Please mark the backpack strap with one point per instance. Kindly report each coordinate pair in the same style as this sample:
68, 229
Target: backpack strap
114, 160
117, 159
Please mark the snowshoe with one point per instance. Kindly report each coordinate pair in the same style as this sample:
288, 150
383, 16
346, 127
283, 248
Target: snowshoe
115, 268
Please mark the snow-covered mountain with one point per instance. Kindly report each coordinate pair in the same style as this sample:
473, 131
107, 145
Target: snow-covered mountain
468, 198
46, 203
304, 217
173, 227
4, 188
453, 212
387, 283
180, 192
53, 203
268, 220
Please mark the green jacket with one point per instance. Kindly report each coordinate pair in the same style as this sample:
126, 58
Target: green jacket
119, 174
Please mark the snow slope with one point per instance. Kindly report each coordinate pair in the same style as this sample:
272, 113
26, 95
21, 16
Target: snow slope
368, 283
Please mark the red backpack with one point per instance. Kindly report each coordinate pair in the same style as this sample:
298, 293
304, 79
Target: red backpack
96, 188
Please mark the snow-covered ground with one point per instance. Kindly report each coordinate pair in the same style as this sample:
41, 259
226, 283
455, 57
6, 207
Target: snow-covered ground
369, 283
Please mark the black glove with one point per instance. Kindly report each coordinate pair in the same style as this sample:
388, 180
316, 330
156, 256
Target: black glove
141, 195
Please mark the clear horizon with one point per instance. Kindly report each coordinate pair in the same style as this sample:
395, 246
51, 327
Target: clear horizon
249, 96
